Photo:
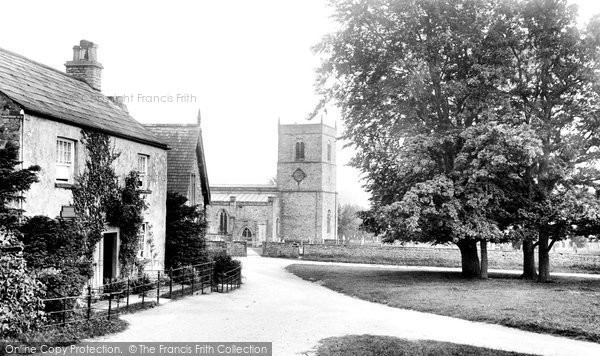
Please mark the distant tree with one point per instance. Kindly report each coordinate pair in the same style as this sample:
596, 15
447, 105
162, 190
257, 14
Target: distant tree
185, 231
349, 222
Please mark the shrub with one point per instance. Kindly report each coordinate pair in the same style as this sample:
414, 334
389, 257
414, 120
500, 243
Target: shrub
223, 263
185, 230
20, 294
53, 249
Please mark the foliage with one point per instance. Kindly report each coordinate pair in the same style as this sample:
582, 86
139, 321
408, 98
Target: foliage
473, 120
223, 263
96, 189
185, 231
127, 213
12, 183
20, 293
53, 250
349, 222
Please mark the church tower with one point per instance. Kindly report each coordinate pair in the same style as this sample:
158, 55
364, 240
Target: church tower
306, 180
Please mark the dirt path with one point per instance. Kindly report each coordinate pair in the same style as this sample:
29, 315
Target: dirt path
274, 305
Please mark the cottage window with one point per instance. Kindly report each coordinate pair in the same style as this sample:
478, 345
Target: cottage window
329, 221
223, 222
65, 158
142, 169
299, 151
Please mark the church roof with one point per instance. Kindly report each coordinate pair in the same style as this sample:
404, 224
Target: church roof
185, 143
52, 94
241, 197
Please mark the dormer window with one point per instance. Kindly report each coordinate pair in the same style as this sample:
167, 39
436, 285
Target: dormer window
299, 151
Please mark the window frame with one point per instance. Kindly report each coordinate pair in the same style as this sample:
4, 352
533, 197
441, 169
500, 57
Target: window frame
223, 222
143, 175
300, 151
67, 142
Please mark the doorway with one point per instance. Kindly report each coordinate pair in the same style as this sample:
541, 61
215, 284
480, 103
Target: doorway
109, 256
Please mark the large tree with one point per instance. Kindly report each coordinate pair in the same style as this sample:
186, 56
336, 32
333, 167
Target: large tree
470, 118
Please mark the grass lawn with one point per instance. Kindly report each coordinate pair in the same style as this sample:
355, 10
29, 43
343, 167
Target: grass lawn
568, 307
374, 345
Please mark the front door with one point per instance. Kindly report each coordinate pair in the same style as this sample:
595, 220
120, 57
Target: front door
109, 258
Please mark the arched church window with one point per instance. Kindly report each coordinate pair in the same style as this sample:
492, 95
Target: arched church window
328, 221
329, 151
299, 151
247, 234
223, 222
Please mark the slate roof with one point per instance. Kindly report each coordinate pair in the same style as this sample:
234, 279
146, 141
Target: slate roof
49, 93
185, 143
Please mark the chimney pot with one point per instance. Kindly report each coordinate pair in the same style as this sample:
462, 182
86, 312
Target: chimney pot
85, 65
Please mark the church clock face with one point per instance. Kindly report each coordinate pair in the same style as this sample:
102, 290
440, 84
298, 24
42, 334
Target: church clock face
298, 175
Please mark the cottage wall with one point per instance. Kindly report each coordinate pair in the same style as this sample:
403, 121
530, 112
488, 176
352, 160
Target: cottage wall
46, 197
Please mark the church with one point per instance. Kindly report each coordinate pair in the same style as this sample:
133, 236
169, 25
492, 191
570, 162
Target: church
300, 207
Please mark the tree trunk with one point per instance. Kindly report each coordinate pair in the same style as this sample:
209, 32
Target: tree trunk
529, 270
543, 257
469, 258
484, 260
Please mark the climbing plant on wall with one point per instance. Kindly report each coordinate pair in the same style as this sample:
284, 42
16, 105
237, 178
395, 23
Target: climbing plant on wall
96, 188
127, 213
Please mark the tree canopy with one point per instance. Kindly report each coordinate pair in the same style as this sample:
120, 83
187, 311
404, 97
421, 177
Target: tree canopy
473, 120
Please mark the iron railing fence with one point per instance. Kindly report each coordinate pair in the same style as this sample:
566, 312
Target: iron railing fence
113, 298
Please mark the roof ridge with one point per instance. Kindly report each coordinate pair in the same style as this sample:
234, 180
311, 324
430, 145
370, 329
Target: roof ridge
75, 80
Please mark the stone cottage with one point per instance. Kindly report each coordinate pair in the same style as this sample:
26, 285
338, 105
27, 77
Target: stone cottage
301, 206
44, 110
186, 172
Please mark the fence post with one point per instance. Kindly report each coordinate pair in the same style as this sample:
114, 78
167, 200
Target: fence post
128, 284
212, 272
193, 278
89, 302
182, 280
109, 303
170, 282
158, 289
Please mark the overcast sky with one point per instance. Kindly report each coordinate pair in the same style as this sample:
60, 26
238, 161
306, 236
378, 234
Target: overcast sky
243, 63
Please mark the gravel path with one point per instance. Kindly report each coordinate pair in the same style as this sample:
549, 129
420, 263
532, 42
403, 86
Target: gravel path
274, 305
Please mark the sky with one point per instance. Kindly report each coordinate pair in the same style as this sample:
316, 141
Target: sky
244, 64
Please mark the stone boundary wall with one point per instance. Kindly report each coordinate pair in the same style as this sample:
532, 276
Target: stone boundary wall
281, 249
234, 249
425, 256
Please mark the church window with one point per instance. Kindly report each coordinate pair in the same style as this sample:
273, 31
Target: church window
329, 221
247, 234
329, 151
223, 222
299, 151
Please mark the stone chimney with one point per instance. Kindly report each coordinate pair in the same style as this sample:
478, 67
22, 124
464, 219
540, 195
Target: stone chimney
84, 65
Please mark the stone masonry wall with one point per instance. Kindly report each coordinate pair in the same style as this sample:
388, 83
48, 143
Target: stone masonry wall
443, 257
235, 248
280, 249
